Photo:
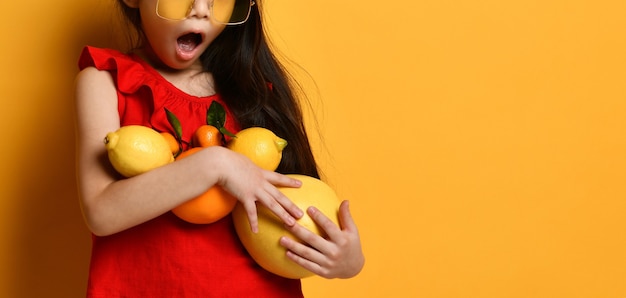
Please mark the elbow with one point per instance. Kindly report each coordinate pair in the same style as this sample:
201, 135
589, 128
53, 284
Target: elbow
98, 224
99, 230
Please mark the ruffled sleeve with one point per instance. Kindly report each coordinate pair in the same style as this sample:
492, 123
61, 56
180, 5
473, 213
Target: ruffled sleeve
129, 75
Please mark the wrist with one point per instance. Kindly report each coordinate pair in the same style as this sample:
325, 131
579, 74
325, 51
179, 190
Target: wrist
214, 163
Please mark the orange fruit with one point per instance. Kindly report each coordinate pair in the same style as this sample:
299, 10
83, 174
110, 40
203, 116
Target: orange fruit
206, 136
208, 207
171, 141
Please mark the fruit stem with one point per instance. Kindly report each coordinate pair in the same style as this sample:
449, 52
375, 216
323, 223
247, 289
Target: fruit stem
281, 144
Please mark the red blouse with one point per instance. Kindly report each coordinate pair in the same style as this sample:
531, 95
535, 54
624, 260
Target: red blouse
166, 256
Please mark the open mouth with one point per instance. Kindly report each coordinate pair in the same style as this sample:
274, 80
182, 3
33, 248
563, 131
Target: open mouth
189, 42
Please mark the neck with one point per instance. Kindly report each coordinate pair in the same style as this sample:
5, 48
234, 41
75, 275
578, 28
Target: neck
193, 80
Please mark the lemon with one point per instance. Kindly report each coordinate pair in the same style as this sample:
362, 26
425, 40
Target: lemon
259, 144
135, 149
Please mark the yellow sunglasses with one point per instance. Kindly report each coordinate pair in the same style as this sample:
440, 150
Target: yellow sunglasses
227, 12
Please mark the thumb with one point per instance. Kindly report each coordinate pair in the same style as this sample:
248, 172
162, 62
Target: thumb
345, 217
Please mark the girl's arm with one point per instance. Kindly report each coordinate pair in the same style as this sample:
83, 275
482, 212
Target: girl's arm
339, 256
111, 204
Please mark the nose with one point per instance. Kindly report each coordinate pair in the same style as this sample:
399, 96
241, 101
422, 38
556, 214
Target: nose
200, 9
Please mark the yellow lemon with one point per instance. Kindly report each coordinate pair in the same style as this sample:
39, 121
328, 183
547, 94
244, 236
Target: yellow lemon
264, 246
259, 144
136, 149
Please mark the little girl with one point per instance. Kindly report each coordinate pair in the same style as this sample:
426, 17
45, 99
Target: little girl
190, 54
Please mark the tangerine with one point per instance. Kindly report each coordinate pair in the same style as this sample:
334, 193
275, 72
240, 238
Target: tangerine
207, 136
208, 207
172, 142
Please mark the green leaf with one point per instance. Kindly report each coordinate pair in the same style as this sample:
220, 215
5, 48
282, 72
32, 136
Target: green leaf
175, 123
225, 132
178, 130
216, 115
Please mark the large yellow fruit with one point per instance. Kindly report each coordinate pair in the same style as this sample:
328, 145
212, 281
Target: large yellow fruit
259, 144
264, 246
135, 149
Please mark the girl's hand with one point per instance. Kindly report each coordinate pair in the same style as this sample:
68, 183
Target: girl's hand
251, 184
339, 256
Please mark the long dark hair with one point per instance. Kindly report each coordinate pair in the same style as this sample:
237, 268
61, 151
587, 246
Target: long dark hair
256, 86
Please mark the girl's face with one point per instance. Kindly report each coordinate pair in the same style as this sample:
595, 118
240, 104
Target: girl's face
177, 44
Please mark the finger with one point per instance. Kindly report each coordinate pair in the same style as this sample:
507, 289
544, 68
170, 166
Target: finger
250, 208
306, 264
328, 226
286, 203
276, 208
311, 239
346, 221
283, 180
301, 249
302, 255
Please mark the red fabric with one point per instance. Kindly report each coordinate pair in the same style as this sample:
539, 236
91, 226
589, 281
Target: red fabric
168, 257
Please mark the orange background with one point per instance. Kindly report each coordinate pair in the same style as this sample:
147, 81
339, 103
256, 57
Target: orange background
482, 144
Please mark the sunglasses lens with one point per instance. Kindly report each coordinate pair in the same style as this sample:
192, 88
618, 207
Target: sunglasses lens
231, 11
173, 9
222, 11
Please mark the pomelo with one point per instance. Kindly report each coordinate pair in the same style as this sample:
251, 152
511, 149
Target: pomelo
264, 246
